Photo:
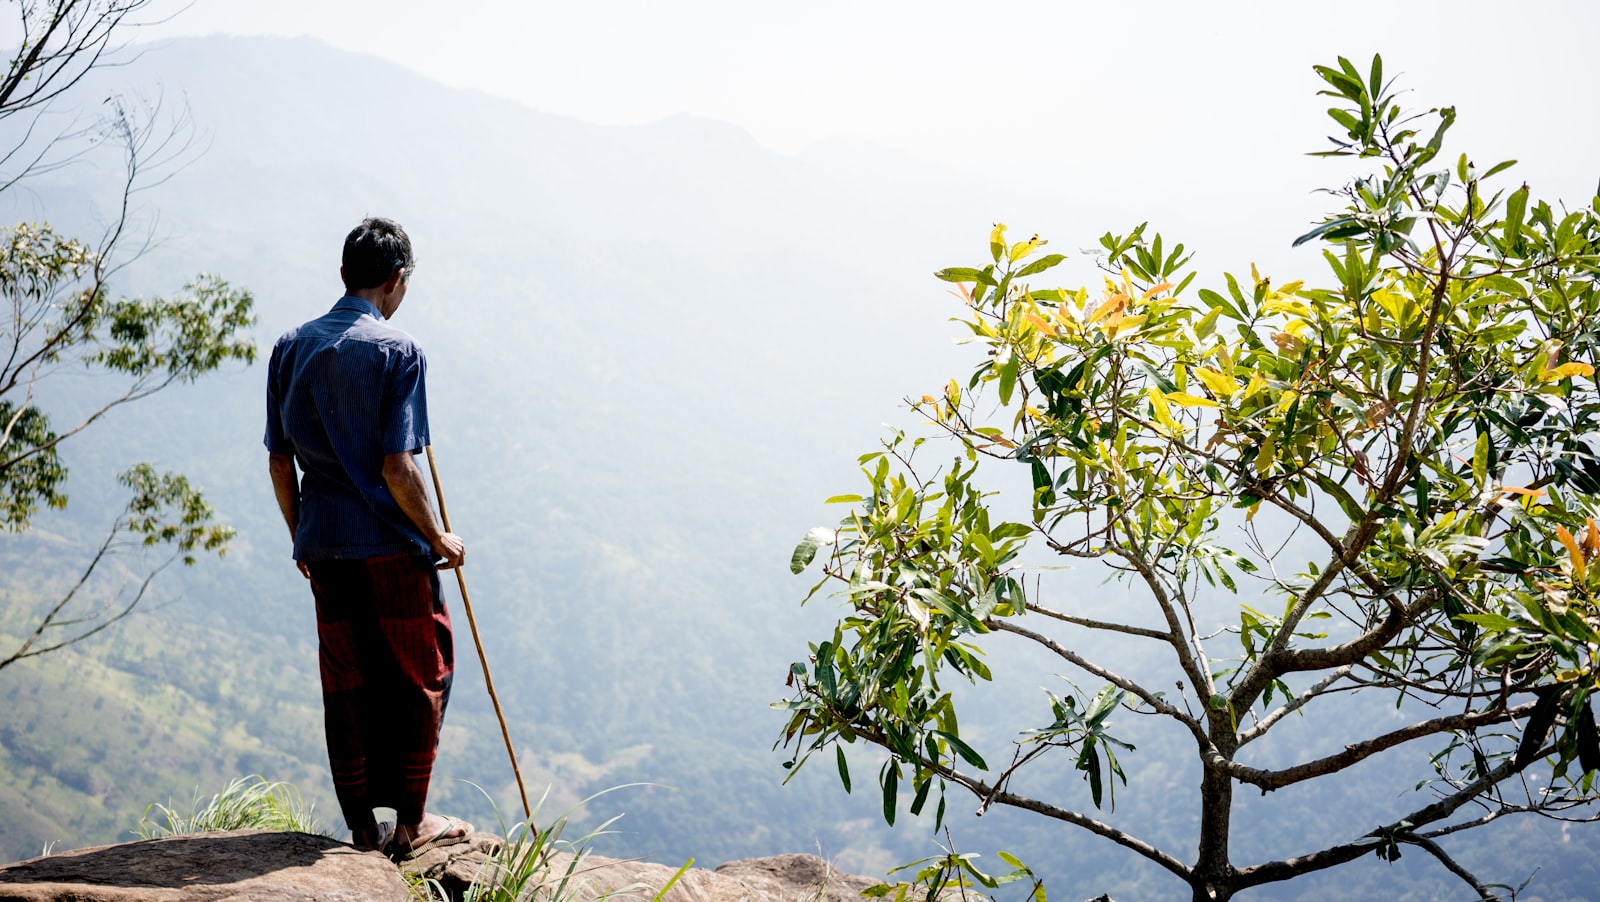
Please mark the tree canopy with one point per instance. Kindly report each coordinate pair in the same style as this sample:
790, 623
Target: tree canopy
59, 312
1380, 482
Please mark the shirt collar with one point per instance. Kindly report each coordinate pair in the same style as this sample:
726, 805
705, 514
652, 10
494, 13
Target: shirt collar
359, 305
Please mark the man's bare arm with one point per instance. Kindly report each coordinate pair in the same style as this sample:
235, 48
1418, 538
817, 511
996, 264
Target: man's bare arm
286, 486
410, 491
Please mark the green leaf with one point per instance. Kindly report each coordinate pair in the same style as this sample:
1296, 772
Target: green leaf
1008, 377
921, 798
1494, 622
843, 499
1499, 167
1516, 208
807, 549
1341, 227
1040, 265
950, 608
1218, 302
844, 768
1538, 726
891, 791
965, 274
961, 748
1104, 702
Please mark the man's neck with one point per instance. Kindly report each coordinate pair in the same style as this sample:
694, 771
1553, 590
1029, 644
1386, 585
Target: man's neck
375, 297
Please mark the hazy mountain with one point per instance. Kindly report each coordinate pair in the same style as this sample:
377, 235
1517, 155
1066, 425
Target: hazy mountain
653, 352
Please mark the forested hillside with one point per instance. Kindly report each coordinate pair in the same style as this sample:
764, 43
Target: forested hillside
653, 352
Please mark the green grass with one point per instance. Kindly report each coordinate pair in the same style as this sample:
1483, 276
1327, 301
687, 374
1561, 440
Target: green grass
540, 865
250, 802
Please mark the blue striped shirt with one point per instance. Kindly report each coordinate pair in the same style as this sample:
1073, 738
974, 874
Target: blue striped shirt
343, 390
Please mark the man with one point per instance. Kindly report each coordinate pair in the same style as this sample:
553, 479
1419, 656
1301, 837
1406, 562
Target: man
346, 402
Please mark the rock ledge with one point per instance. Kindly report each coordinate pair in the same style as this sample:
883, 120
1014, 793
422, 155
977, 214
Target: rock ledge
264, 866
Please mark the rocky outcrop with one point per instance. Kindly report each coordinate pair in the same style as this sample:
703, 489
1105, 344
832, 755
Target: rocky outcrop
239, 866
260, 866
781, 878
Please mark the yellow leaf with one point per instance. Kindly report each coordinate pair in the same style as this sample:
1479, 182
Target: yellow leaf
1114, 304
1579, 565
1287, 305
1038, 322
1220, 385
1125, 325
1154, 290
1163, 413
1291, 287
1287, 343
1267, 454
1565, 371
929, 399
1024, 248
1591, 540
1184, 399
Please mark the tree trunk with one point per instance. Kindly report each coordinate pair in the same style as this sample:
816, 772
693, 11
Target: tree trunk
1212, 879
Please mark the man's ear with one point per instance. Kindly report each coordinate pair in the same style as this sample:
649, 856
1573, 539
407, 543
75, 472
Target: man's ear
392, 284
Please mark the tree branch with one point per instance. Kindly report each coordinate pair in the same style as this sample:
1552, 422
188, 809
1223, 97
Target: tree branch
1287, 868
1100, 828
1066, 654
1450, 864
1099, 624
1269, 780
1266, 723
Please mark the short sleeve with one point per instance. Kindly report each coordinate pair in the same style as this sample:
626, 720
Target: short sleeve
275, 440
405, 402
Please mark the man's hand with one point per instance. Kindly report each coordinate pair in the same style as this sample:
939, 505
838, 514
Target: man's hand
449, 547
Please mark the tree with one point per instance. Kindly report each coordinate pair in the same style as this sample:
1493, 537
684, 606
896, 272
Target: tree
59, 313
1419, 426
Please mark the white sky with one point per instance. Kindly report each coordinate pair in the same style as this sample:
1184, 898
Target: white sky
1196, 116
972, 83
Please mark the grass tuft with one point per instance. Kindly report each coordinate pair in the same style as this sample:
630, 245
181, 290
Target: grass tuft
530, 866
250, 802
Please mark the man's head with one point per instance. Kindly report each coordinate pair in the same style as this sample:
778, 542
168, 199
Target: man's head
374, 252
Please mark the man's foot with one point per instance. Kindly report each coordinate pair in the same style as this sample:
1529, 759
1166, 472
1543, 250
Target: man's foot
411, 840
374, 838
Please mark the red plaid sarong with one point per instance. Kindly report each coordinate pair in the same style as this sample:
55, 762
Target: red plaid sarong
387, 660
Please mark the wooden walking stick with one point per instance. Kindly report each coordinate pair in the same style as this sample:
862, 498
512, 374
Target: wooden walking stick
472, 622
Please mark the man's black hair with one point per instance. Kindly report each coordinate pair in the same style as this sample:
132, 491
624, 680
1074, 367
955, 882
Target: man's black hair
373, 251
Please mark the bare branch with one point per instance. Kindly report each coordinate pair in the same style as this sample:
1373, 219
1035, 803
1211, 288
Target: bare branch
1077, 660
1316, 689
1100, 624
1285, 869
1450, 865
1269, 780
